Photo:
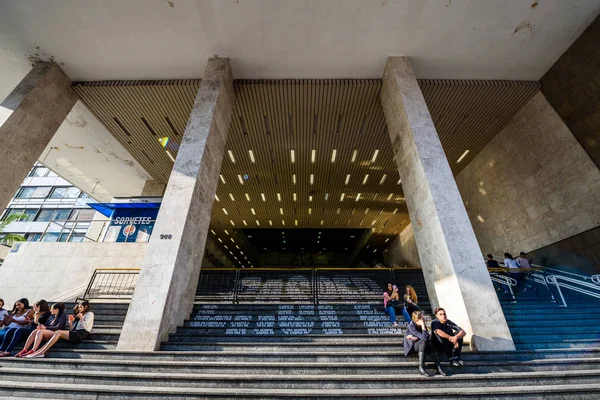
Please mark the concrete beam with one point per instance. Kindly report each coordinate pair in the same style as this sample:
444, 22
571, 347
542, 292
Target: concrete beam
40, 103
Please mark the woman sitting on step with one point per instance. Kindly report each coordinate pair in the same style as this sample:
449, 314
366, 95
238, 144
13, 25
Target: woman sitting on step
391, 300
21, 316
56, 322
411, 301
80, 327
417, 339
13, 335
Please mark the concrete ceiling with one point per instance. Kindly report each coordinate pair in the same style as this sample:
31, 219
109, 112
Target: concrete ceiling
303, 153
172, 39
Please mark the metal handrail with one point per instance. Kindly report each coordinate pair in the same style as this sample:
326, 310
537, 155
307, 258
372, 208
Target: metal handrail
568, 284
504, 280
115, 288
581, 276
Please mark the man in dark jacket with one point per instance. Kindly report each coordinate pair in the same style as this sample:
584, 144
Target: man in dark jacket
447, 337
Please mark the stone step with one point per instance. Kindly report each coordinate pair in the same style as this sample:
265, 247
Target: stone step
535, 305
187, 343
35, 389
404, 365
456, 379
261, 307
357, 338
90, 344
296, 330
294, 323
376, 315
318, 356
555, 333
575, 343
541, 314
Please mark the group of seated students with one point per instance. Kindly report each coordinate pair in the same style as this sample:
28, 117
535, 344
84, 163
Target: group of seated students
42, 323
445, 337
391, 301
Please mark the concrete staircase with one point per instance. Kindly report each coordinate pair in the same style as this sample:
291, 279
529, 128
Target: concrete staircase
276, 351
536, 322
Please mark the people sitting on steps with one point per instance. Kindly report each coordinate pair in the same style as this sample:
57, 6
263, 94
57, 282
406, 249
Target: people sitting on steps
411, 301
447, 337
56, 322
417, 339
13, 335
21, 316
80, 326
391, 300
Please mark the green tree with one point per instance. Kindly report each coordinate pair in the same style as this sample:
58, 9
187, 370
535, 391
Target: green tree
10, 238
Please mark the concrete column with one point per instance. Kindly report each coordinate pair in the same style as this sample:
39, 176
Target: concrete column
39, 104
454, 270
165, 291
153, 188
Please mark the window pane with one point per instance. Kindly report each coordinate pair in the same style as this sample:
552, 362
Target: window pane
73, 193
13, 211
33, 237
63, 237
26, 192
58, 192
29, 214
39, 171
51, 174
86, 215
62, 214
50, 237
77, 237
41, 192
45, 214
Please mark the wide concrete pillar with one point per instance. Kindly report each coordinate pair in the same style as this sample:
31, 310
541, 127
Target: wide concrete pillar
454, 270
165, 291
39, 104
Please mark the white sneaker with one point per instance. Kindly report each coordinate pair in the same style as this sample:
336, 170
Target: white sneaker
35, 356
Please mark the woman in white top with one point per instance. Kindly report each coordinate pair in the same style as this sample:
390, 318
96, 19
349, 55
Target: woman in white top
514, 269
510, 263
80, 327
20, 317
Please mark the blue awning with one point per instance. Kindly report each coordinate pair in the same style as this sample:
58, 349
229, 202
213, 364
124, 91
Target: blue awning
106, 209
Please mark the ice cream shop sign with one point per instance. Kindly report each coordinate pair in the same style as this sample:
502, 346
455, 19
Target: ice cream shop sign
131, 220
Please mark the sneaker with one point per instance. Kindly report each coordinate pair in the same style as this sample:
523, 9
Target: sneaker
5, 354
395, 325
460, 362
33, 355
454, 362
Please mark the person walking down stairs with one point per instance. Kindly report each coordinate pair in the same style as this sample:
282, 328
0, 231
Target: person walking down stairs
417, 339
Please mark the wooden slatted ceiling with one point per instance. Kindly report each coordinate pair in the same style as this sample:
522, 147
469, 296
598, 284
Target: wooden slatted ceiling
272, 118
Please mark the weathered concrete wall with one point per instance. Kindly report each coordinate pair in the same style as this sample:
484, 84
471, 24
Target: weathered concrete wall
532, 185
52, 271
572, 86
87, 155
403, 250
